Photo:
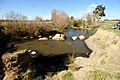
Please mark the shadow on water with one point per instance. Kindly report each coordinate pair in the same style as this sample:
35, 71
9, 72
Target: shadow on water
53, 55
49, 65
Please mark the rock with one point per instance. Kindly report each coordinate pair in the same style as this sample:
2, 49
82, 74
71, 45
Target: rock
31, 37
13, 61
39, 36
81, 37
74, 38
50, 37
33, 53
29, 50
58, 37
44, 38
62, 37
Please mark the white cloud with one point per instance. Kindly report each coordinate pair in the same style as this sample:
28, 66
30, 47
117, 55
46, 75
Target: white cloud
89, 9
81, 14
30, 17
2, 16
46, 17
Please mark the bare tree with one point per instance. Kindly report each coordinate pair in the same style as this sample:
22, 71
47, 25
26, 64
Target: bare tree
89, 20
38, 21
15, 16
16, 22
60, 19
54, 15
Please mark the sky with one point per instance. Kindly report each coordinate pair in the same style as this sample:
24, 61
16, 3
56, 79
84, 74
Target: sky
76, 8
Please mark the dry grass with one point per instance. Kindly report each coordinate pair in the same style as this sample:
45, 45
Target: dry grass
99, 75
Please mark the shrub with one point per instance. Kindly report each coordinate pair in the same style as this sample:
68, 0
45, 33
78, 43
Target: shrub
71, 64
77, 23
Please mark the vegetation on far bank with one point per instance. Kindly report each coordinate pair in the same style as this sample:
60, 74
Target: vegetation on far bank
107, 25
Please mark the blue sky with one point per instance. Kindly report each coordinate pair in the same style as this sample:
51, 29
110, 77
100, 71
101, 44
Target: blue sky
76, 8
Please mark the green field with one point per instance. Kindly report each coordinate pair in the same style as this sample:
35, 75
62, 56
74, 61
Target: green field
107, 25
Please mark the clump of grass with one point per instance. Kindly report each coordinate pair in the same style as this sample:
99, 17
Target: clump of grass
72, 65
69, 76
117, 76
103, 46
102, 62
37, 78
99, 75
114, 42
103, 21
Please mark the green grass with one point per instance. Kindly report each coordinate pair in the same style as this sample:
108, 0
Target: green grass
102, 62
37, 78
117, 75
117, 31
81, 28
69, 76
107, 25
114, 42
99, 75
103, 46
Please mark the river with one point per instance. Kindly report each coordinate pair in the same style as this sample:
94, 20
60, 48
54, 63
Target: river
52, 47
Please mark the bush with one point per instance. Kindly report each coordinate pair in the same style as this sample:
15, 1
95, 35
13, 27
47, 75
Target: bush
23, 29
77, 23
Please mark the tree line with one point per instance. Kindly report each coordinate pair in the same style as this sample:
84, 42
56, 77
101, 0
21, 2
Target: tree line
18, 25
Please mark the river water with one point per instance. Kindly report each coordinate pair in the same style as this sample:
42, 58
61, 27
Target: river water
52, 47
